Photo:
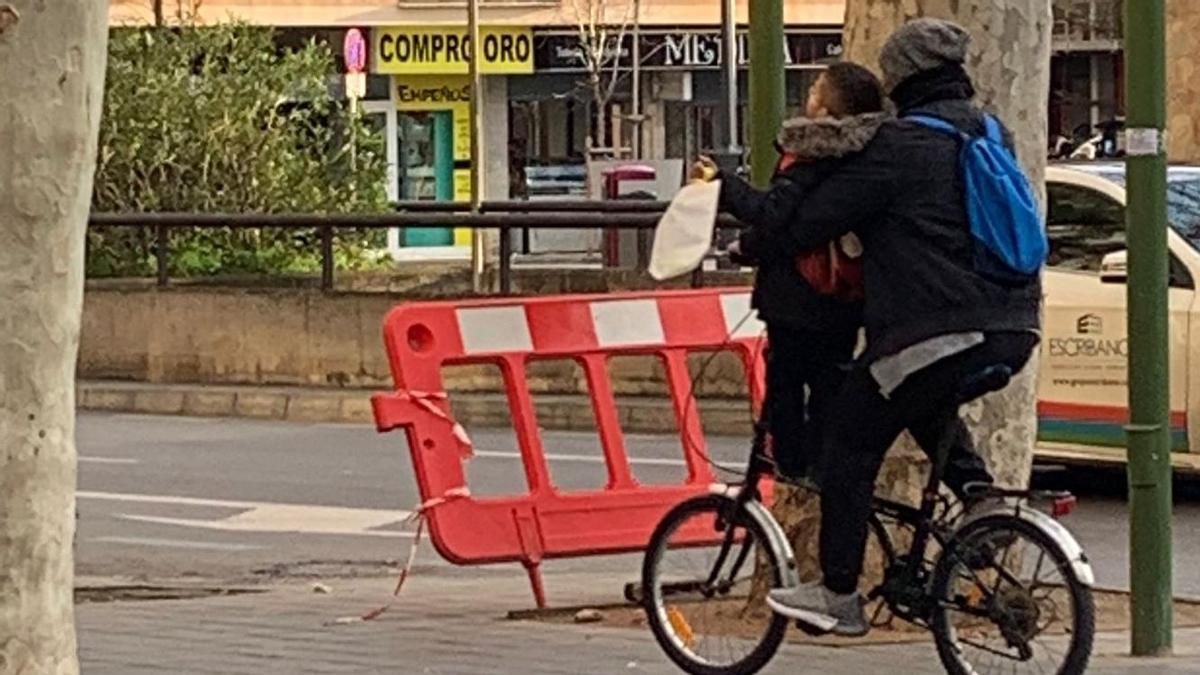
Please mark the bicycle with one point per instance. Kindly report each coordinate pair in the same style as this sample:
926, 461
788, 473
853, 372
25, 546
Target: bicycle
954, 579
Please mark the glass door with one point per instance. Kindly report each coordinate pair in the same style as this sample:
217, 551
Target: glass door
381, 120
426, 171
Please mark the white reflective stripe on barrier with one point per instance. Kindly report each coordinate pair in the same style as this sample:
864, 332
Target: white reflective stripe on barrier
621, 323
494, 329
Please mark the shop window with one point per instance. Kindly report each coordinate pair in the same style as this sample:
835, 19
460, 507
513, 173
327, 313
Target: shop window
706, 127
1088, 21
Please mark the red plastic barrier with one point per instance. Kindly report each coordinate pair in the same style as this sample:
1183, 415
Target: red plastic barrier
548, 522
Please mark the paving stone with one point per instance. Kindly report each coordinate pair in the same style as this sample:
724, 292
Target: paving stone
450, 626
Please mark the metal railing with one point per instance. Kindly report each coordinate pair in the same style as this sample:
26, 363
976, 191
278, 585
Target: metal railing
506, 217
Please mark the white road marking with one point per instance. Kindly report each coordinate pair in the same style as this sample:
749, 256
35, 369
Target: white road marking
165, 499
584, 459
266, 516
109, 460
283, 522
595, 459
273, 517
177, 543
147, 417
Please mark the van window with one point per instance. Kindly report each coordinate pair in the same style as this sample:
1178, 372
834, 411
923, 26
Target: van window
1083, 226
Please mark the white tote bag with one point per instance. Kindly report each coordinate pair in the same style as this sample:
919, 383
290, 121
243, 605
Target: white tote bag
684, 234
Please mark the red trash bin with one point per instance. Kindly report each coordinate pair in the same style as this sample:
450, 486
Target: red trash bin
616, 186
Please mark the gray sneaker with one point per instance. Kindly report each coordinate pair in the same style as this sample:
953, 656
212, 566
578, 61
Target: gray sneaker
818, 607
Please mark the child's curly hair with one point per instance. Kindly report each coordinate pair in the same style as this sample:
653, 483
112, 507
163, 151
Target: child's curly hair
854, 90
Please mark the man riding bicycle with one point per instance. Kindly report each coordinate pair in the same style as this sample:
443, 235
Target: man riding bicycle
933, 320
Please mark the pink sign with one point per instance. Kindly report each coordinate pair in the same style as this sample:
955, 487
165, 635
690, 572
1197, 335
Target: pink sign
354, 50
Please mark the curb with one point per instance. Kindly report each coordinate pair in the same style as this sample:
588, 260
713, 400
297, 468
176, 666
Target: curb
651, 415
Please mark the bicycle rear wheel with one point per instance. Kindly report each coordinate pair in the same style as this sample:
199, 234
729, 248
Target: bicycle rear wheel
697, 579
1009, 601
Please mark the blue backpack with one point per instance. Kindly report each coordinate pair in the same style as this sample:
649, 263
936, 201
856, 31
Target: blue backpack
1009, 234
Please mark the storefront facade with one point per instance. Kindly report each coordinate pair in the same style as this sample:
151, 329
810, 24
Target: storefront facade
427, 115
1087, 79
682, 105
549, 119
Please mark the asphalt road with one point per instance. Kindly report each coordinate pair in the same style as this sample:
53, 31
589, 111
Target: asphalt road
234, 501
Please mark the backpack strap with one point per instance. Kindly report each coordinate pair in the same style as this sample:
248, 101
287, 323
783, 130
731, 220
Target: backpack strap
995, 133
992, 129
937, 124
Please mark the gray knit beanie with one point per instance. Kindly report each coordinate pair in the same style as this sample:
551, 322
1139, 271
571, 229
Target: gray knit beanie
921, 45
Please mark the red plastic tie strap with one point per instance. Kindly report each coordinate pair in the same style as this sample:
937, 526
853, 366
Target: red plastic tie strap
419, 515
430, 402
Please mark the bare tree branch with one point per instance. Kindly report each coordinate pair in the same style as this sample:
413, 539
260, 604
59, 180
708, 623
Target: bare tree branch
626, 22
601, 44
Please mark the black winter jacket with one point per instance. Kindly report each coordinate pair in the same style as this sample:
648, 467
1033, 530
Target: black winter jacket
781, 295
903, 196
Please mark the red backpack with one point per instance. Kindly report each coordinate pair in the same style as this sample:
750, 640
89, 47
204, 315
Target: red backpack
830, 269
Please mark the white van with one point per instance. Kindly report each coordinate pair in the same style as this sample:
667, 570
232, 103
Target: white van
1083, 385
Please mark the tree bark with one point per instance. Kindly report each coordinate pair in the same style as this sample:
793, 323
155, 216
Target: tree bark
52, 60
600, 110
1010, 63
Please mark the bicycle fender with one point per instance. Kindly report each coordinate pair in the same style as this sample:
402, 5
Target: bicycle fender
776, 538
1053, 529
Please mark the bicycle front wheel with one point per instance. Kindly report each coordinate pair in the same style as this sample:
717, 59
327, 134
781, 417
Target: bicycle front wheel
698, 579
1009, 601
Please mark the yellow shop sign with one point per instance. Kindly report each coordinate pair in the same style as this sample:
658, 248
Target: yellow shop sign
410, 50
431, 93
417, 92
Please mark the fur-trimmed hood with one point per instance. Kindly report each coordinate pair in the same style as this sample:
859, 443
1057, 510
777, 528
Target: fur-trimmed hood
829, 137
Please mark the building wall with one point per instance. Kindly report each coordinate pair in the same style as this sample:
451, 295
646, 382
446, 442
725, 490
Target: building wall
300, 337
495, 137
1183, 26
422, 12
1183, 80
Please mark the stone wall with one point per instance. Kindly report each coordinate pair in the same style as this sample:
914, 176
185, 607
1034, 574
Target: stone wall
234, 336
303, 337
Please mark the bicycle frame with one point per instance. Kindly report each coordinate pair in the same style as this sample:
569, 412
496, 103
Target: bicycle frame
923, 519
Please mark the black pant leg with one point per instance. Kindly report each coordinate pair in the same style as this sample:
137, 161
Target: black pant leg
861, 425
942, 424
786, 419
827, 371
963, 463
805, 369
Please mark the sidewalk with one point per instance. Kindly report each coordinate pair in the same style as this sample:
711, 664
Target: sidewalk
451, 622
641, 414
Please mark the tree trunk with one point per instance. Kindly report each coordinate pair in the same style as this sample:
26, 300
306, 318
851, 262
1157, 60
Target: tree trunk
600, 118
1010, 62
52, 60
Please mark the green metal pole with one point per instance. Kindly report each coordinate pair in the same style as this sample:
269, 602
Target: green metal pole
1149, 431
767, 86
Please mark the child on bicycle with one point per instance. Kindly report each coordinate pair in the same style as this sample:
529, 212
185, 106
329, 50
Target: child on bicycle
811, 301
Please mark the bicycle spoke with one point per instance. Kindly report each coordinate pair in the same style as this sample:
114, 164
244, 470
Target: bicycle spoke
990, 650
1037, 571
1052, 652
1010, 603
700, 584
